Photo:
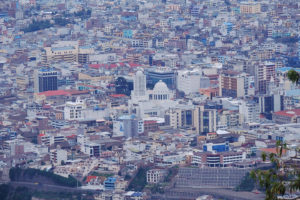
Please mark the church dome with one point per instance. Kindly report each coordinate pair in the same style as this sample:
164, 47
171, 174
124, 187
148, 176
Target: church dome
160, 87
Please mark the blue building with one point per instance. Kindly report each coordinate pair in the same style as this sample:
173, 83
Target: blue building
45, 80
167, 76
220, 147
127, 33
109, 183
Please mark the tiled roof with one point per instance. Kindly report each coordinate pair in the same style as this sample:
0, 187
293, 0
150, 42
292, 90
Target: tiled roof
61, 92
289, 113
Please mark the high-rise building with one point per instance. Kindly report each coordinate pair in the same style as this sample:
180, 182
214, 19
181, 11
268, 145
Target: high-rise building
263, 75
269, 104
249, 111
139, 84
164, 74
181, 116
45, 80
234, 84
139, 92
205, 120
131, 126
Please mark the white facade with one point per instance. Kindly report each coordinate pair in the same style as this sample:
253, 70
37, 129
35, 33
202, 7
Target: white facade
160, 93
188, 82
155, 175
139, 87
74, 110
249, 111
58, 155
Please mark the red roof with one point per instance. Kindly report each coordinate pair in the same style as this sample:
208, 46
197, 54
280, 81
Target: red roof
117, 95
133, 65
212, 133
46, 106
95, 66
72, 136
113, 66
272, 150
289, 113
150, 122
41, 135
61, 92
89, 178
121, 64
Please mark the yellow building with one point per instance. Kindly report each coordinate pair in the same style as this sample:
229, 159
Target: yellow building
250, 8
66, 51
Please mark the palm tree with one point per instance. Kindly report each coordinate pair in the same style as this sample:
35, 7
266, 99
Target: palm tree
293, 76
277, 180
295, 185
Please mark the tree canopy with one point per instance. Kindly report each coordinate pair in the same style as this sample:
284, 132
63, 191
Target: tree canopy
280, 179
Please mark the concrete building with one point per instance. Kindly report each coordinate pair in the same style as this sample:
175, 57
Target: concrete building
287, 116
249, 111
160, 93
131, 126
66, 51
250, 7
45, 80
181, 117
205, 120
188, 82
234, 84
57, 156
74, 110
92, 149
164, 74
155, 175
139, 92
264, 73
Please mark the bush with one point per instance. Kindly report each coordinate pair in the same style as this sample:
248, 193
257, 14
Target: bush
139, 181
16, 174
38, 25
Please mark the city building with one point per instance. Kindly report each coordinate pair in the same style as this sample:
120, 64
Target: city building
139, 92
234, 84
58, 156
249, 111
287, 116
74, 110
45, 80
264, 73
155, 175
110, 183
164, 74
205, 120
181, 116
66, 51
188, 81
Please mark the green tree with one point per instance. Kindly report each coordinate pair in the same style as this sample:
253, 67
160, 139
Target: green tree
279, 179
293, 76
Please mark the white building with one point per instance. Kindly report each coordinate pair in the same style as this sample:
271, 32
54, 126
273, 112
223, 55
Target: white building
73, 110
249, 111
160, 93
155, 175
139, 87
188, 82
57, 156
